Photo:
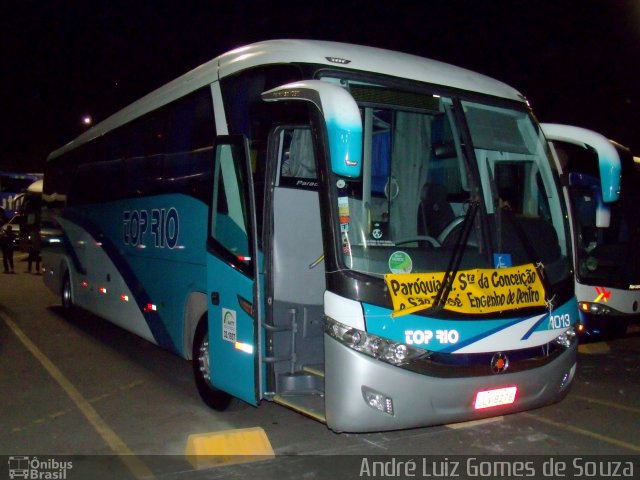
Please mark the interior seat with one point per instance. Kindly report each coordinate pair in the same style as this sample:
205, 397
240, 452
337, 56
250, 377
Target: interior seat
434, 211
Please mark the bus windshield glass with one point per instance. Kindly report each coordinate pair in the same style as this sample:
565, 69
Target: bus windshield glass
608, 255
430, 159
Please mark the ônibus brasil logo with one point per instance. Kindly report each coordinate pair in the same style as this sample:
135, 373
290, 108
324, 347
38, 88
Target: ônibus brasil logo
34, 468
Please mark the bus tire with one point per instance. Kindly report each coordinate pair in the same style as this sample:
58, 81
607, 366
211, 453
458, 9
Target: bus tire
66, 296
213, 397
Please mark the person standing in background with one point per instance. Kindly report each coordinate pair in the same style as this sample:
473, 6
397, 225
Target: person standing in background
7, 239
35, 244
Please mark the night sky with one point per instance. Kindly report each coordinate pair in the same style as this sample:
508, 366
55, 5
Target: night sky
576, 61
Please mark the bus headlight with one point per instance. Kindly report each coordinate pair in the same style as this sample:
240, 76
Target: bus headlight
595, 308
395, 353
567, 338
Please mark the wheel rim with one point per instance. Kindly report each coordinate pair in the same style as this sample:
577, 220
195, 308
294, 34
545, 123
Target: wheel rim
203, 359
66, 294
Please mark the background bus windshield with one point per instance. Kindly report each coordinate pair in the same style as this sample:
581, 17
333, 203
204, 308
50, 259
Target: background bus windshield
605, 255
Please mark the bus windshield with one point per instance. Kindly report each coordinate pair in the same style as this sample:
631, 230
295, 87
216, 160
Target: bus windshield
428, 161
606, 256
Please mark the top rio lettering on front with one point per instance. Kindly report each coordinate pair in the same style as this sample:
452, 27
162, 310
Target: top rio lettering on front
162, 224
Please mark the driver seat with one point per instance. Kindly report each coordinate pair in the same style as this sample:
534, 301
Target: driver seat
434, 211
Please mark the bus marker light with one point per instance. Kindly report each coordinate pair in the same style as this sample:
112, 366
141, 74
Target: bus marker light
246, 305
245, 347
151, 308
496, 397
84, 283
124, 298
102, 290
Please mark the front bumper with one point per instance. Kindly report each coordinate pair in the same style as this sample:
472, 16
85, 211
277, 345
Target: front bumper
420, 400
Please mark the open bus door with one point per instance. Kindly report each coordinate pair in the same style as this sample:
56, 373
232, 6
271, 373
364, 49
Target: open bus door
232, 274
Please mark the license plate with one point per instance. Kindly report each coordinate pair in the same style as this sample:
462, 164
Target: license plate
493, 398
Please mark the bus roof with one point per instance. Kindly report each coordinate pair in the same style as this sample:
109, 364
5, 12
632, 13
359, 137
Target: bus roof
332, 54
33, 176
35, 187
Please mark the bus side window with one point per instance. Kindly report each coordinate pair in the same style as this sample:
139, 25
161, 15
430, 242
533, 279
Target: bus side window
229, 225
299, 160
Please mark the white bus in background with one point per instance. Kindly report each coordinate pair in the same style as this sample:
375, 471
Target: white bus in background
12, 186
606, 225
30, 216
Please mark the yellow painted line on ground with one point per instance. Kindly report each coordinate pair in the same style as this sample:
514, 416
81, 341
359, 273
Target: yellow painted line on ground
617, 406
594, 348
633, 328
133, 463
583, 431
473, 423
66, 411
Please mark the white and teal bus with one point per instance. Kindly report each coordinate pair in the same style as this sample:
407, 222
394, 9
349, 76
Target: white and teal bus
603, 184
374, 239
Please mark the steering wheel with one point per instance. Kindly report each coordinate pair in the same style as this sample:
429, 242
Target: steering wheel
420, 238
449, 228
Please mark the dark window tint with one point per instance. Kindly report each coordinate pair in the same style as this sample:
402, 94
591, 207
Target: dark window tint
168, 150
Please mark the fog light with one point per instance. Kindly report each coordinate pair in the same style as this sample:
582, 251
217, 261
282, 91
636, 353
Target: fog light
377, 400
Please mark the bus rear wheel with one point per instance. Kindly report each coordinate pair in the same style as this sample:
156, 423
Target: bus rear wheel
66, 297
216, 399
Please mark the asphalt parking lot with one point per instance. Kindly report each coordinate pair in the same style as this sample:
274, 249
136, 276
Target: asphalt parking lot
80, 390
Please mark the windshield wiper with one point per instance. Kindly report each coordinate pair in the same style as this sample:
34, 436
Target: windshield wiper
497, 205
529, 250
441, 297
456, 258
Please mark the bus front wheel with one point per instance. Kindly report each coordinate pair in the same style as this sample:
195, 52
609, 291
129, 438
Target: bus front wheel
216, 399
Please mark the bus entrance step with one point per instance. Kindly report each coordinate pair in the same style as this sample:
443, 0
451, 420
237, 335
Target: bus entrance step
317, 370
300, 383
311, 405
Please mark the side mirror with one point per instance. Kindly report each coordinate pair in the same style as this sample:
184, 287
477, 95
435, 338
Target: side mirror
341, 116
